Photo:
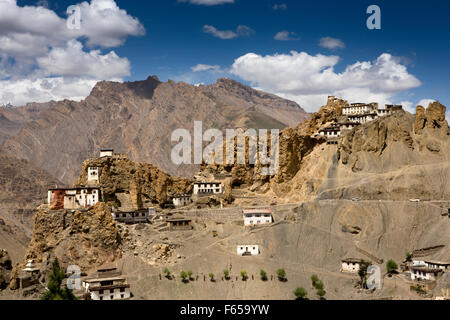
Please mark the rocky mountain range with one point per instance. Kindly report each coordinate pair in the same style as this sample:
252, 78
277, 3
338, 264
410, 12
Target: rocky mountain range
135, 118
44, 144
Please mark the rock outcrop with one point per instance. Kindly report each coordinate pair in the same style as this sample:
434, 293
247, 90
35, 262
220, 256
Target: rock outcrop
133, 185
5, 269
433, 118
86, 238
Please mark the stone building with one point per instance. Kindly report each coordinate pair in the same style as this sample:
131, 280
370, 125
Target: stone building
107, 285
181, 200
425, 273
179, 224
132, 217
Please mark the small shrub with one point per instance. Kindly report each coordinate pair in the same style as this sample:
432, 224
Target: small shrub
391, 266
263, 275
281, 274
300, 293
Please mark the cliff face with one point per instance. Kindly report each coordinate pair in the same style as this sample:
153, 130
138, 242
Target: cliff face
133, 185
5, 269
396, 157
84, 238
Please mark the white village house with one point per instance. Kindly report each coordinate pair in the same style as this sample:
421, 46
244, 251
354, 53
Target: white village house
180, 200
107, 288
73, 198
257, 216
351, 265
106, 153
93, 176
248, 250
207, 188
424, 273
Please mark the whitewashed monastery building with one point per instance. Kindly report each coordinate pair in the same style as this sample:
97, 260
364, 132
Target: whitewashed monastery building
257, 216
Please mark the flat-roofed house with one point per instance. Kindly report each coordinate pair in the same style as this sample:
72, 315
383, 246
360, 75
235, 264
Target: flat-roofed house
207, 188
107, 288
437, 265
131, 217
257, 216
248, 250
93, 175
351, 265
106, 153
181, 200
359, 108
73, 198
179, 224
425, 273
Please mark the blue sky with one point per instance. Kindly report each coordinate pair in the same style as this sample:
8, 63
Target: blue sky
414, 34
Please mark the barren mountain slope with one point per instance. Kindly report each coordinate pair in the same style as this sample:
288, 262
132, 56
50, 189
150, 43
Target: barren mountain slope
22, 188
305, 240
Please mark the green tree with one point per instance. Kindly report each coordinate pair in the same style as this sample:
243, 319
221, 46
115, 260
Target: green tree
321, 293
300, 293
211, 276
408, 257
183, 276
362, 272
167, 272
55, 292
391, 266
281, 274
319, 285
244, 275
314, 279
263, 275
189, 273
226, 274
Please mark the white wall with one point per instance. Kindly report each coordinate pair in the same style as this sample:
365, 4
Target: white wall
93, 174
253, 249
350, 267
252, 219
116, 294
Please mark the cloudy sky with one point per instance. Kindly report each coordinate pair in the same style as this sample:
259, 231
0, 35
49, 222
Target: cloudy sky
301, 50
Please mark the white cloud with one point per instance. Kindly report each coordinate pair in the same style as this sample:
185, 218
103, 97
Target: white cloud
72, 61
309, 79
281, 6
228, 34
36, 44
331, 43
286, 36
207, 2
45, 89
425, 102
205, 67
